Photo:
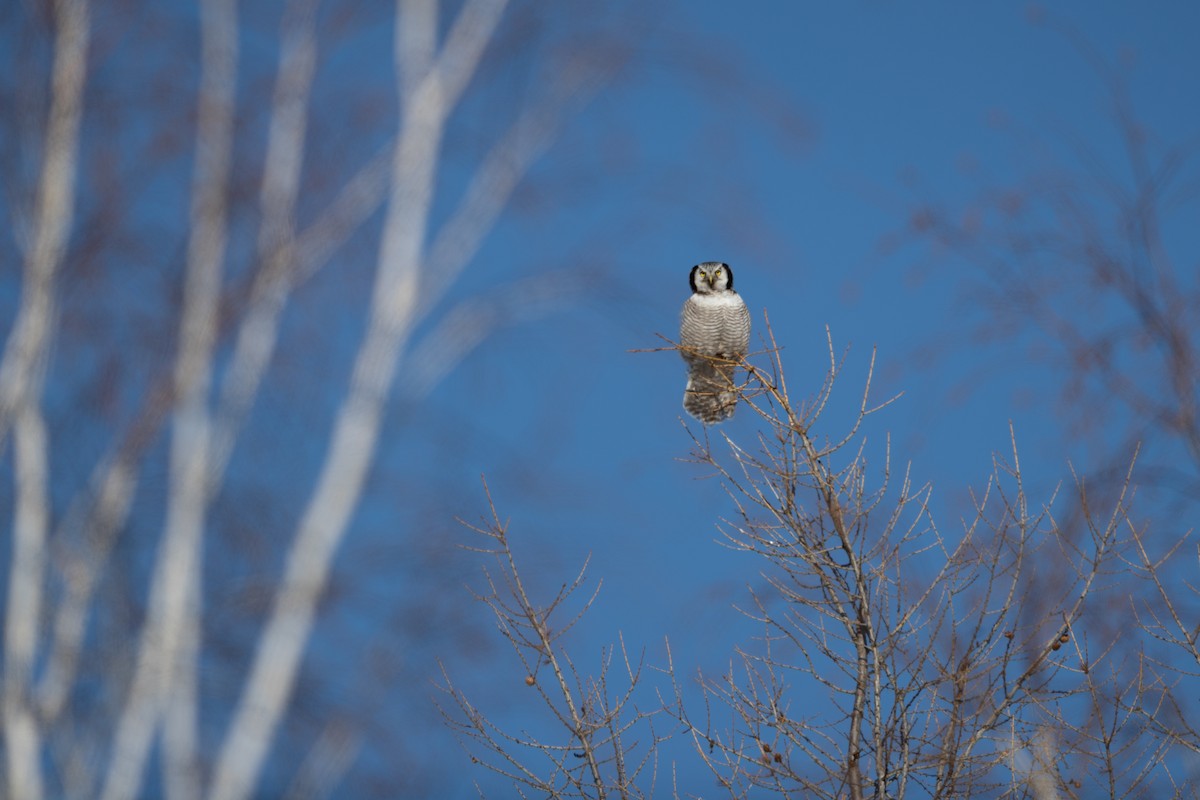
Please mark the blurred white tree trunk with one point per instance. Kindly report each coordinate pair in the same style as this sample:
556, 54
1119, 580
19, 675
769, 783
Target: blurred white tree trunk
163, 689
21, 378
160, 697
429, 85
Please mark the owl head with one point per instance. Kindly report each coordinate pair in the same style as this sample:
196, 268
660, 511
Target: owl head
711, 276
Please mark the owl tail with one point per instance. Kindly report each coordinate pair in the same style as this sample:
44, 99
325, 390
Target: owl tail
710, 395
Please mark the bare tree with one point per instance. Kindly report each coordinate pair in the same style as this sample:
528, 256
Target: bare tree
897, 658
599, 743
945, 665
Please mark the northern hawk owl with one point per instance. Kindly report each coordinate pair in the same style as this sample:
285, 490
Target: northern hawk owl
713, 335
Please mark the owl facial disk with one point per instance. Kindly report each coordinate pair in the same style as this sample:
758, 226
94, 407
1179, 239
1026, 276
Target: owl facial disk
708, 273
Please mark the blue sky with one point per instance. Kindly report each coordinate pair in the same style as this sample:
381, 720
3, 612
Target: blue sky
795, 141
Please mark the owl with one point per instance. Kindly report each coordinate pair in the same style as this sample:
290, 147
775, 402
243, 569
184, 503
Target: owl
713, 334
